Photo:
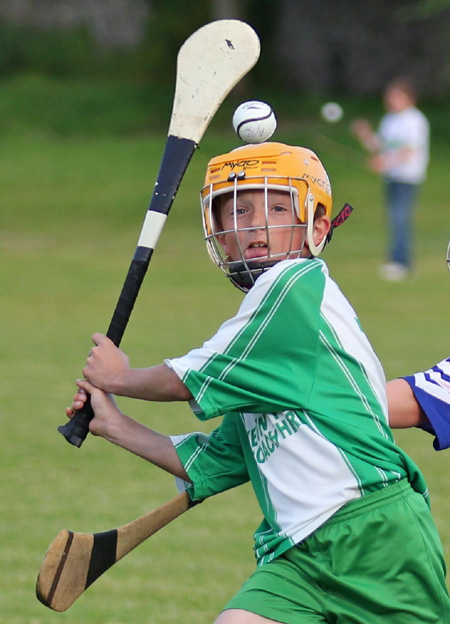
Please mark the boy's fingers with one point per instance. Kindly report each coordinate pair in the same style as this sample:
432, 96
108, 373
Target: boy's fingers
84, 386
97, 338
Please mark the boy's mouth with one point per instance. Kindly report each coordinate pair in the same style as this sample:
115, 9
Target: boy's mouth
256, 250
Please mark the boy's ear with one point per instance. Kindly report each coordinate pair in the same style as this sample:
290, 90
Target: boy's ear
321, 227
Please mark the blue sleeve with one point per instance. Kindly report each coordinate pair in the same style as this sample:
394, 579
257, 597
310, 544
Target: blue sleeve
431, 389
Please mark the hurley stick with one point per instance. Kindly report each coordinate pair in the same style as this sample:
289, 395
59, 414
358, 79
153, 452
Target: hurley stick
74, 561
209, 64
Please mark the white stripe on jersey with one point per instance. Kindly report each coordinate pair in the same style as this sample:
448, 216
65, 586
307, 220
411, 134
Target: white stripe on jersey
337, 311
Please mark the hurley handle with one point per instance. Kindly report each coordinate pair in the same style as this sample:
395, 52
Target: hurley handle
176, 157
76, 430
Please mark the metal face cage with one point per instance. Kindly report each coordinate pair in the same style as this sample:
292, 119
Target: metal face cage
241, 271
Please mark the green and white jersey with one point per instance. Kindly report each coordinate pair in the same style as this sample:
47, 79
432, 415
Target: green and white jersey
305, 408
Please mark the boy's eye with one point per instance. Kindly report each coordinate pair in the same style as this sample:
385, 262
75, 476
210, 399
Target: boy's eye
279, 208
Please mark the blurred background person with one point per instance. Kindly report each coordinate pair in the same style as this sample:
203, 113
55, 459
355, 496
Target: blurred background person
399, 154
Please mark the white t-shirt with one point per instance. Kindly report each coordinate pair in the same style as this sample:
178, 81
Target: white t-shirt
408, 129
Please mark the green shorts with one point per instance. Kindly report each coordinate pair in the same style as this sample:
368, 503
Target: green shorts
378, 560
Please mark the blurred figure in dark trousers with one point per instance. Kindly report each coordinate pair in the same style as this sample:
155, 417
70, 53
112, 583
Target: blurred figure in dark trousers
399, 153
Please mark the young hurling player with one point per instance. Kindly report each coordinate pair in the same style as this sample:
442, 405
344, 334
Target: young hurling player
305, 413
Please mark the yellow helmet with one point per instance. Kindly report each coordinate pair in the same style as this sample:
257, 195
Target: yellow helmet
266, 166
284, 166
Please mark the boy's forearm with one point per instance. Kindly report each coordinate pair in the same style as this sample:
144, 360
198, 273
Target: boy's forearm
157, 383
404, 410
152, 446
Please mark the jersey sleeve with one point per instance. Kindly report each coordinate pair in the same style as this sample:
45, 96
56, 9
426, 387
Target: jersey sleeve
264, 357
431, 389
215, 462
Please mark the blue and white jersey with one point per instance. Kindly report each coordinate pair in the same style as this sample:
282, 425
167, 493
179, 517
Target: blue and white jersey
432, 391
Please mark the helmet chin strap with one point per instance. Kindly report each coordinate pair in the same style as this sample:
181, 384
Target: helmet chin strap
244, 274
336, 222
313, 248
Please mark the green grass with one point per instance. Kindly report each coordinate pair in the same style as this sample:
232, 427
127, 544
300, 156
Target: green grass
71, 212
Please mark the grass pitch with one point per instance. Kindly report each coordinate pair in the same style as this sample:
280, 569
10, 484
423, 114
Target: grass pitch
71, 213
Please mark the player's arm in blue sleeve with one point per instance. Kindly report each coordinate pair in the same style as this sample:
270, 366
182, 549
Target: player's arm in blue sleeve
431, 389
214, 462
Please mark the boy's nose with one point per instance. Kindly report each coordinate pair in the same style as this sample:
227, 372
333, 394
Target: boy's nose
258, 217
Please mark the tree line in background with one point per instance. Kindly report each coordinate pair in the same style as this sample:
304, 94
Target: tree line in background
321, 46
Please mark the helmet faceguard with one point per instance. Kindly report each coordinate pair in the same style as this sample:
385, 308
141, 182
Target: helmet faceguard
294, 171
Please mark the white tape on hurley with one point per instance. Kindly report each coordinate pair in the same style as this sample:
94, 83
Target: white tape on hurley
152, 228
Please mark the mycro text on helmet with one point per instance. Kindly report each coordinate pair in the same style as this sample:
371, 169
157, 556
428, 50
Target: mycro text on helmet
242, 164
325, 184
